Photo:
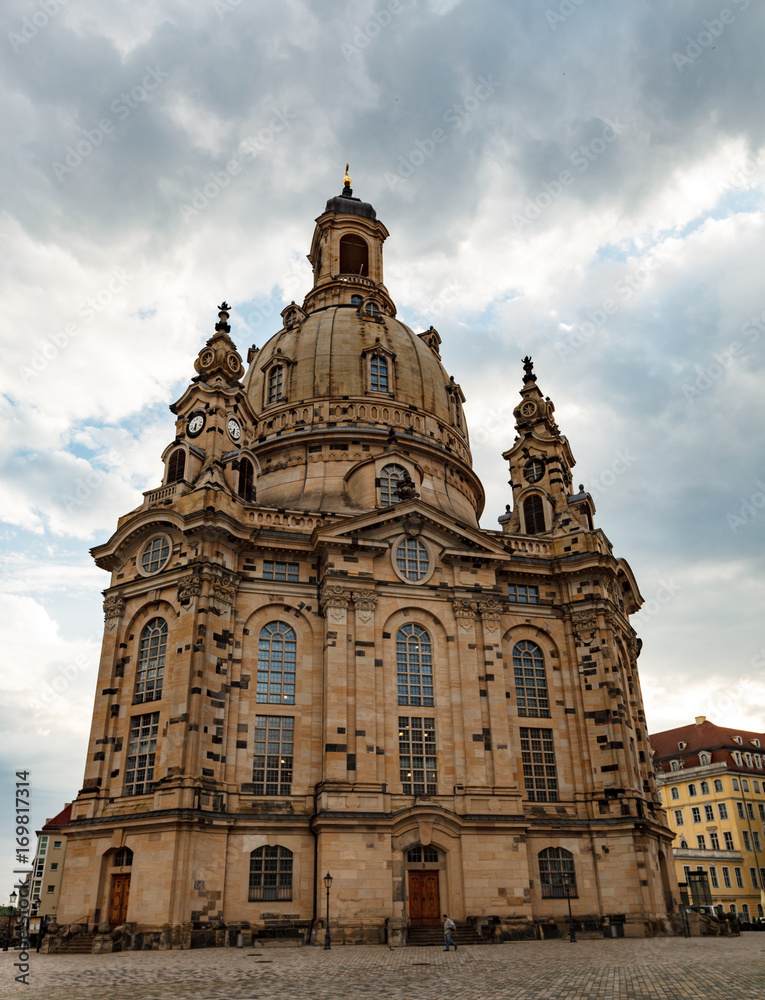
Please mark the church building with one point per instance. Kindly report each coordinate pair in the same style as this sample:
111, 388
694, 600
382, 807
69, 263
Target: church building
315, 661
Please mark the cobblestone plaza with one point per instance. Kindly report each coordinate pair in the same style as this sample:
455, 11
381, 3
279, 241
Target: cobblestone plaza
659, 969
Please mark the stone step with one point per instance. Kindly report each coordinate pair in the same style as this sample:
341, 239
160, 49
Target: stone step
80, 944
431, 936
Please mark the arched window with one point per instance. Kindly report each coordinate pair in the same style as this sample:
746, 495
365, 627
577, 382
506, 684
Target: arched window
705, 758
674, 792
414, 665
277, 650
275, 383
176, 466
270, 873
356, 300
530, 680
412, 559
534, 514
718, 785
704, 787
123, 858
246, 478
378, 373
556, 873
152, 648
354, 255
390, 477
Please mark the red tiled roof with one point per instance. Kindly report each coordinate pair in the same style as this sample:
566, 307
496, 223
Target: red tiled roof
717, 740
61, 819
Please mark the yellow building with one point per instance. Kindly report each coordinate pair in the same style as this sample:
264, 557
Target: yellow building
48, 864
315, 659
712, 784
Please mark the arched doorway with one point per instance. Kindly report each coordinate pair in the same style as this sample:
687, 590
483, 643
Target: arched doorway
423, 871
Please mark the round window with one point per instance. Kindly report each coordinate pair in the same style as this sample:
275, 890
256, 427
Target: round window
412, 559
156, 554
372, 309
534, 470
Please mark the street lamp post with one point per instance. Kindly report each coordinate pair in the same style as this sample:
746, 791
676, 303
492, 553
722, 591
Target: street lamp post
9, 930
328, 884
568, 884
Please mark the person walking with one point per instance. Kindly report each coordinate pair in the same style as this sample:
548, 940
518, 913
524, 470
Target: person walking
449, 926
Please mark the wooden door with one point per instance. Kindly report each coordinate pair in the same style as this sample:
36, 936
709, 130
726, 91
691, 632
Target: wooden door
424, 902
119, 904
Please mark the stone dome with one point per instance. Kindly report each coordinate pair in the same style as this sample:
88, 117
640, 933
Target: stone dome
347, 395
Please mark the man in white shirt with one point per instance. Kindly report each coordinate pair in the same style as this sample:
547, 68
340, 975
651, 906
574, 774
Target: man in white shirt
449, 926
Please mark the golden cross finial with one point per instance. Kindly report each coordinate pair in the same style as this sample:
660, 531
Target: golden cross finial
347, 179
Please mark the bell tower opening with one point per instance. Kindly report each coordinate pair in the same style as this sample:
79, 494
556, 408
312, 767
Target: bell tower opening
354, 255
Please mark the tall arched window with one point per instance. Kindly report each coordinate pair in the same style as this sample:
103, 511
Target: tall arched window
414, 665
275, 384
246, 480
152, 648
534, 514
530, 680
556, 873
354, 255
378, 373
390, 477
176, 466
277, 650
123, 858
270, 873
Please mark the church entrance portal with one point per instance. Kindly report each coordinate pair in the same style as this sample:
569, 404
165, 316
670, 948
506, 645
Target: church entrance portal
424, 901
119, 902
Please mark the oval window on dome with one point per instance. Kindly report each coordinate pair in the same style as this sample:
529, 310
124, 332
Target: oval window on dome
372, 309
156, 554
412, 559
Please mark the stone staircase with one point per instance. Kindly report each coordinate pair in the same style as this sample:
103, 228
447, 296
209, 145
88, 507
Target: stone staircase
432, 936
78, 944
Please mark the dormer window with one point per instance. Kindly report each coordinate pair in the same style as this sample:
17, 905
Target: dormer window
372, 310
675, 765
748, 759
275, 383
354, 255
290, 319
681, 745
755, 743
705, 758
737, 739
378, 373
737, 757
390, 477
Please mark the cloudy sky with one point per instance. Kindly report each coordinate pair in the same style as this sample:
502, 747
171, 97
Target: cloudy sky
581, 181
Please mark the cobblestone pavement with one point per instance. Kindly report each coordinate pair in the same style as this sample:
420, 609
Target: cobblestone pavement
661, 969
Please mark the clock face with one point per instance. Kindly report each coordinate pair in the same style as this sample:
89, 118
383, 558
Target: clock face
206, 359
528, 409
534, 470
195, 424
234, 429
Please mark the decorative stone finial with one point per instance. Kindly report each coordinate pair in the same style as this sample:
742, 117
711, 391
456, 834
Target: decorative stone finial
223, 314
528, 370
347, 179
